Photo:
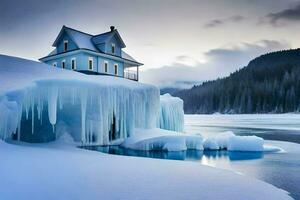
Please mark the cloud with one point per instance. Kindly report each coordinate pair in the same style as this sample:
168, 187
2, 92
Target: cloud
291, 14
214, 23
220, 62
218, 22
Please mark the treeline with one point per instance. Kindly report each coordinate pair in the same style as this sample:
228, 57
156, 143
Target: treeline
270, 83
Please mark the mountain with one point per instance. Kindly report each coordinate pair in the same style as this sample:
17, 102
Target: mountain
176, 86
268, 84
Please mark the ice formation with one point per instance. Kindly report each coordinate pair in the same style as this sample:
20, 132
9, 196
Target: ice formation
160, 139
245, 143
37, 101
171, 113
231, 142
96, 109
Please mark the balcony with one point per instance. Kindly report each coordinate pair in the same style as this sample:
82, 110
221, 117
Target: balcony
132, 74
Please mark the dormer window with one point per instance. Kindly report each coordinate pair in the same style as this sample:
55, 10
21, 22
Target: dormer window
66, 45
113, 46
90, 63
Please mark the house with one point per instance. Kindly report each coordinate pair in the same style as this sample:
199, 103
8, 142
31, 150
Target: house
93, 54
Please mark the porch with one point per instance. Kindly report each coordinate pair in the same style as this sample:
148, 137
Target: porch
132, 73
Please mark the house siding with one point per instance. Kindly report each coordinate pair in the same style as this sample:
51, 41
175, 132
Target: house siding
60, 44
82, 60
108, 45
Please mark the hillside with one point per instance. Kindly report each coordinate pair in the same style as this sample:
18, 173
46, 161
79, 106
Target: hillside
270, 83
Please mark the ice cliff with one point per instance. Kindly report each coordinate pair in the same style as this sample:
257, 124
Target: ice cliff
38, 101
171, 114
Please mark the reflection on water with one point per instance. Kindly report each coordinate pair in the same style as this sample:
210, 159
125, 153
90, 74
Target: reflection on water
279, 169
179, 155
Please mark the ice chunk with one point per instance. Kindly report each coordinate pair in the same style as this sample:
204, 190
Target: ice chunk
211, 144
171, 115
194, 142
245, 143
227, 140
220, 141
159, 139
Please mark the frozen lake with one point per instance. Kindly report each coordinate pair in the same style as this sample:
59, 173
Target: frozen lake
279, 169
283, 127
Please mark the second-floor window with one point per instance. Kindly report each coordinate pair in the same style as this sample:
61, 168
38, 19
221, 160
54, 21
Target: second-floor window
63, 64
105, 66
113, 46
73, 63
66, 45
116, 69
90, 63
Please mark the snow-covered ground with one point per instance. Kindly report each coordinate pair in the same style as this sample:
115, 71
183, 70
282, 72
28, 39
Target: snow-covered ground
63, 172
85, 106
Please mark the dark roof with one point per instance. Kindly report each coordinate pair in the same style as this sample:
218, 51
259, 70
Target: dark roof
87, 41
104, 37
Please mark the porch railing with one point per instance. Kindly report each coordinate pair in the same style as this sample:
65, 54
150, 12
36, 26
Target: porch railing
131, 75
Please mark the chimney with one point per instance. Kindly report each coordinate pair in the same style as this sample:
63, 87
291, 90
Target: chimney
112, 28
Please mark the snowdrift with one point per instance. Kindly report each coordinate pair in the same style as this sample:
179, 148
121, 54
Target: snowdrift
171, 116
37, 100
228, 140
159, 139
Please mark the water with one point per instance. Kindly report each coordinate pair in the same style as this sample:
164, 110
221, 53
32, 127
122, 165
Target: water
282, 127
279, 169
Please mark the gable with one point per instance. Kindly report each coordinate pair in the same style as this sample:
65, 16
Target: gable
60, 43
107, 37
80, 39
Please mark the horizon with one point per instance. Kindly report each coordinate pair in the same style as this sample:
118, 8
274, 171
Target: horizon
188, 44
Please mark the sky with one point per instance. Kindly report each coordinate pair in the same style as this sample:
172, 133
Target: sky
179, 42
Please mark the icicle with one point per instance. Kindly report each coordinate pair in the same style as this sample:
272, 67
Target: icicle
32, 114
52, 105
83, 101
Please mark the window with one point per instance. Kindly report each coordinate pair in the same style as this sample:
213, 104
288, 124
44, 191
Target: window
54, 64
63, 64
73, 63
116, 69
113, 46
90, 63
105, 66
65, 45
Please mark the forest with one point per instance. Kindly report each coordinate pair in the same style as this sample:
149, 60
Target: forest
268, 84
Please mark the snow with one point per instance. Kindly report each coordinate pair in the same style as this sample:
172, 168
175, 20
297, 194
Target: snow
245, 143
58, 172
219, 141
286, 122
228, 140
171, 113
85, 107
87, 104
160, 139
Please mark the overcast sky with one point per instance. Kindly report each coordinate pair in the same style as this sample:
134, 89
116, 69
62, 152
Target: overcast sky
190, 40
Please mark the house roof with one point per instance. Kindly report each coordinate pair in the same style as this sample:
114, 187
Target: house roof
104, 37
88, 41
81, 39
